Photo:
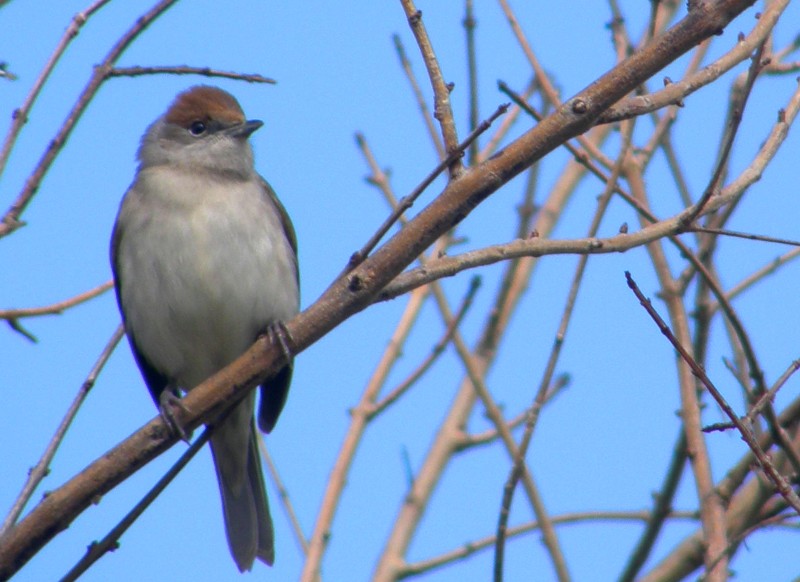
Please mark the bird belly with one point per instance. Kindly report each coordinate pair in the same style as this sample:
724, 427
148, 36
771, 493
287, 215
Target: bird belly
200, 286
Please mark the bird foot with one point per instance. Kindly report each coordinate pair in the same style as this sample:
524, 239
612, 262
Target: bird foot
277, 333
168, 402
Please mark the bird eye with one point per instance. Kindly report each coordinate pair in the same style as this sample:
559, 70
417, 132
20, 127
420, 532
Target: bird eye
197, 128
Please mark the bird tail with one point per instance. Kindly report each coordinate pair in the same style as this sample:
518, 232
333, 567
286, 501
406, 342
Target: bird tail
248, 524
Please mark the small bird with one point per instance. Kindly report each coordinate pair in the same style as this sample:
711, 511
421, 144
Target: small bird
205, 259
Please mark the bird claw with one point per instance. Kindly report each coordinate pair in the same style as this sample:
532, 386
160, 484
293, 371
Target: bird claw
277, 333
167, 403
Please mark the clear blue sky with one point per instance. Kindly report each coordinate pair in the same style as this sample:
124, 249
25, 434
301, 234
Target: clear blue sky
601, 445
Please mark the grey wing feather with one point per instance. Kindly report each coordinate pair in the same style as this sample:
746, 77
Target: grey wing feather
155, 380
275, 391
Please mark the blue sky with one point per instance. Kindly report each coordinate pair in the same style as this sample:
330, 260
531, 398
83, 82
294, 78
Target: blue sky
601, 445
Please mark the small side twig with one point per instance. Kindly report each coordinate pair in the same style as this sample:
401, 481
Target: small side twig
769, 395
744, 235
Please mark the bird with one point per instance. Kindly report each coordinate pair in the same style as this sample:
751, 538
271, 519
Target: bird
204, 257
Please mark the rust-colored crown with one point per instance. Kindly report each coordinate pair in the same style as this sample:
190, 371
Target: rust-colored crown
204, 103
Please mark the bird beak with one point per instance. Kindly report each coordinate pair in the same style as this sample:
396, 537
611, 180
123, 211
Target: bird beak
244, 130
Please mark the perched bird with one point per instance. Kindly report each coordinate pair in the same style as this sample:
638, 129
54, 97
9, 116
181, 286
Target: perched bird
205, 259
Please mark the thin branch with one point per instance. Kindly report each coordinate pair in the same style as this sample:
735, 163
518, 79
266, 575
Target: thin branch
436, 351
286, 503
20, 115
676, 92
188, 70
662, 510
539, 397
110, 542
442, 110
470, 548
770, 394
56, 308
42, 468
778, 481
508, 122
405, 63
495, 415
547, 87
757, 276
744, 235
731, 130
408, 201
11, 220
470, 24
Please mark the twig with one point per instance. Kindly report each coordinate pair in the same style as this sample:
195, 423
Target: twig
769, 395
555, 352
20, 115
436, 351
40, 471
747, 435
546, 86
110, 542
470, 548
187, 70
744, 235
495, 415
472, 74
13, 315
11, 219
407, 201
662, 509
476, 440
442, 110
360, 413
418, 96
676, 92
286, 503
755, 277
508, 122
730, 135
